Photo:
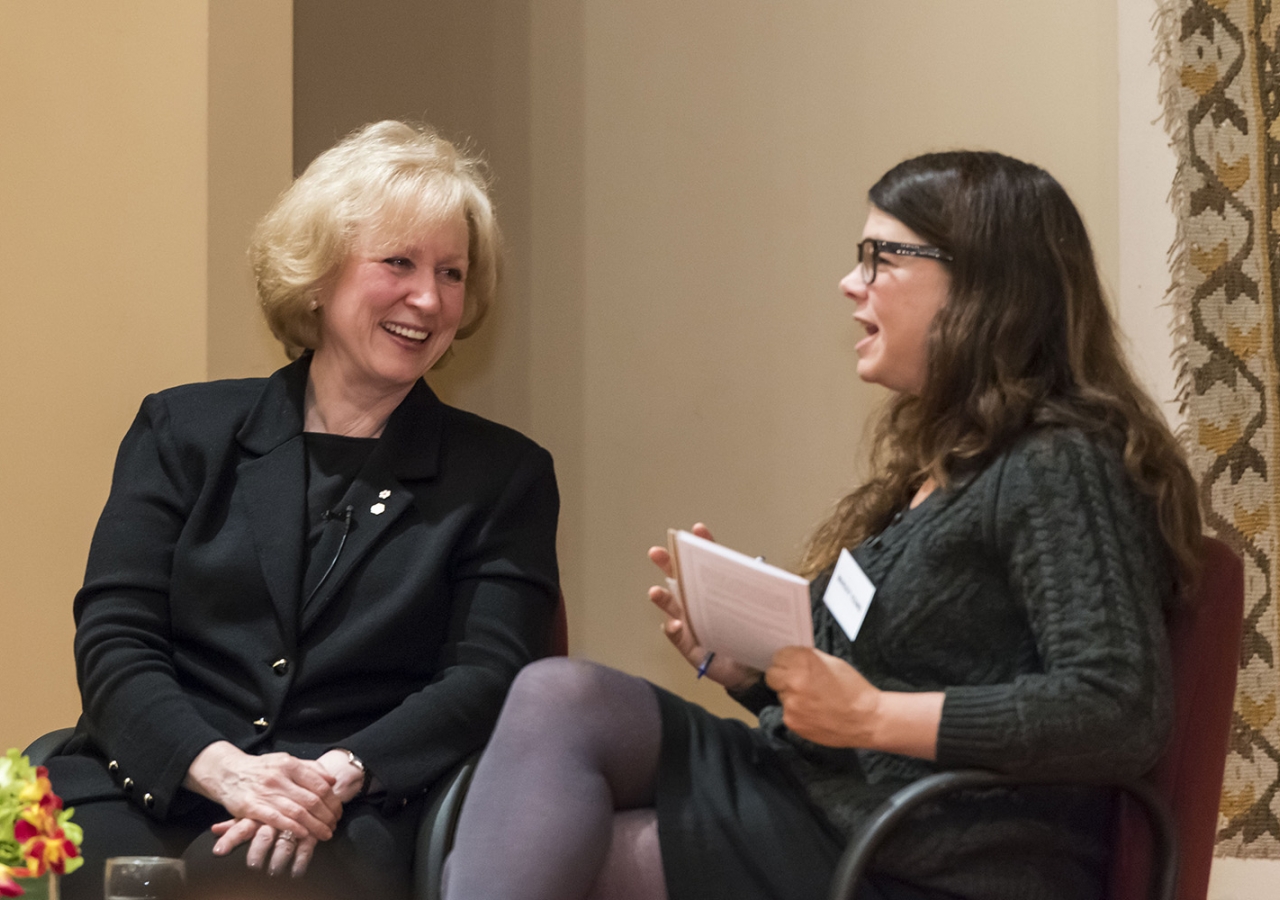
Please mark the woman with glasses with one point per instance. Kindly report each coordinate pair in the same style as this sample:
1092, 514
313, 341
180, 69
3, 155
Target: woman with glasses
1029, 519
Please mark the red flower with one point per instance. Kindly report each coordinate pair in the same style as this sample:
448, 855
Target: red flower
8, 887
40, 791
42, 842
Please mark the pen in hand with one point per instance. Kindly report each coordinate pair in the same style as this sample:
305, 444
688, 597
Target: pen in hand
706, 662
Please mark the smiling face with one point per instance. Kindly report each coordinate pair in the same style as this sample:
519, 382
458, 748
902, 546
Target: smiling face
394, 308
896, 309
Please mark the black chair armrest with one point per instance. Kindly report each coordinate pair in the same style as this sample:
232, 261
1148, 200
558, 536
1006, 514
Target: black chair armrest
436, 828
853, 864
47, 745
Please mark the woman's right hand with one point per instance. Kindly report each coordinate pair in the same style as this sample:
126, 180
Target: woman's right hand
275, 789
722, 670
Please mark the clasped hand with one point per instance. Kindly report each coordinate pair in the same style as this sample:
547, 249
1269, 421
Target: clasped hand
281, 804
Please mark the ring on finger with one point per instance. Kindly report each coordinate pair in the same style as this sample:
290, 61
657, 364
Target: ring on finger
288, 837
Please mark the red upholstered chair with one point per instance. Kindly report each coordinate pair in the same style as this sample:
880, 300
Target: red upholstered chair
1168, 820
1205, 640
560, 631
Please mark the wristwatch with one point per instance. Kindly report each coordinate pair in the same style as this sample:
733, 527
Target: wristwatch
368, 776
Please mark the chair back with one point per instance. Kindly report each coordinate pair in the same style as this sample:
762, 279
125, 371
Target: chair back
560, 630
1204, 640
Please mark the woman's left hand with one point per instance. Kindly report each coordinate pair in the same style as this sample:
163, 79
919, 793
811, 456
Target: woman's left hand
824, 699
348, 777
827, 701
281, 850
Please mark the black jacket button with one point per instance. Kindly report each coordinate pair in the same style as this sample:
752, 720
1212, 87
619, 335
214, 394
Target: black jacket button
113, 766
261, 724
148, 801
280, 667
127, 784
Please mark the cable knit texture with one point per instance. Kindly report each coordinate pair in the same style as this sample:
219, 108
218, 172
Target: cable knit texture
1032, 594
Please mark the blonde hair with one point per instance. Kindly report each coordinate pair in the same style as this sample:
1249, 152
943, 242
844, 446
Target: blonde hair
381, 182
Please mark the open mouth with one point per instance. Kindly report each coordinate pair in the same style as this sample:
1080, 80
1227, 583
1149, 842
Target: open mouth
871, 332
404, 331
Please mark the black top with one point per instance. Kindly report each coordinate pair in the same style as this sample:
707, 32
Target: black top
333, 461
445, 588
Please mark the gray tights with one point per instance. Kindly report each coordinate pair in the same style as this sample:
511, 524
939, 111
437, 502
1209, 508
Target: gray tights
561, 806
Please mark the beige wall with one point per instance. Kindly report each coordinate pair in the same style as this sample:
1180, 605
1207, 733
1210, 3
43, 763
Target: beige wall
682, 185
250, 161
505, 78
107, 238
102, 252
1147, 223
726, 150
461, 66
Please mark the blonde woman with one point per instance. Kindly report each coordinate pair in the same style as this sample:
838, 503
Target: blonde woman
308, 594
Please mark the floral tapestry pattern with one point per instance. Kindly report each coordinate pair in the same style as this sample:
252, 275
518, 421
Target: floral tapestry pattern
1221, 95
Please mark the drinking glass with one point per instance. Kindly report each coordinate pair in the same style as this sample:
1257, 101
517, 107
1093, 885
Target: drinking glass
144, 878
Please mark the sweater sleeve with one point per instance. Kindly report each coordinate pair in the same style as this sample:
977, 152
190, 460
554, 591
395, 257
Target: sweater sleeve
755, 696
1085, 561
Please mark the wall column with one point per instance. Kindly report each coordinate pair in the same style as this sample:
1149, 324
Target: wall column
106, 266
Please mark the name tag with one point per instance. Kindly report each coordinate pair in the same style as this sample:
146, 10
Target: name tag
848, 595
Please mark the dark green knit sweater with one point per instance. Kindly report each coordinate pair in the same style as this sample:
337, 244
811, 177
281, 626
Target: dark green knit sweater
1033, 595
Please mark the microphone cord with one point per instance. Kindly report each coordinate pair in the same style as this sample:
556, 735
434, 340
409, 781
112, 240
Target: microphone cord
327, 515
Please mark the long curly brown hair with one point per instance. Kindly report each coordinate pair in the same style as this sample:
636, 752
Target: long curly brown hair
1025, 340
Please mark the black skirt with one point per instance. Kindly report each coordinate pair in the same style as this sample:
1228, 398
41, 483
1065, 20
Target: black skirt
735, 823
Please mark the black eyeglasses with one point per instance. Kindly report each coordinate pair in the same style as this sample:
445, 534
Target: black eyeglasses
869, 252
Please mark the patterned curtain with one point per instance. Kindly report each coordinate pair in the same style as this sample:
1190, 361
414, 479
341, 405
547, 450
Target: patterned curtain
1221, 93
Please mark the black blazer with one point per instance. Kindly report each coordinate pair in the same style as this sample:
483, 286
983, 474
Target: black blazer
190, 627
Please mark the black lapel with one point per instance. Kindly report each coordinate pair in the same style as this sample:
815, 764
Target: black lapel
408, 451
271, 489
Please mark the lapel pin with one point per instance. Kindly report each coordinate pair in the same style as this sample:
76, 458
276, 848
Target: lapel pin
383, 495
378, 508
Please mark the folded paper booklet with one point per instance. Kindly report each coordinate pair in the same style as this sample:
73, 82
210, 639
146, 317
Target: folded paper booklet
739, 607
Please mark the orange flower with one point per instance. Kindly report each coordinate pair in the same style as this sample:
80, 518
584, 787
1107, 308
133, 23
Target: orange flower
39, 790
37, 831
34, 820
44, 844
44, 851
